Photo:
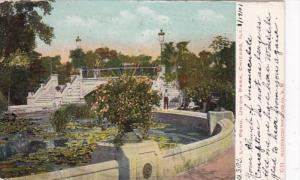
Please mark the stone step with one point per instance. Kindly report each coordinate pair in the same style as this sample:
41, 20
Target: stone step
46, 101
46, 97
73, 94
71, 98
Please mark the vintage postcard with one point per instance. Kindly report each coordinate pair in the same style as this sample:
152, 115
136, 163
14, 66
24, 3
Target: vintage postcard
155, 90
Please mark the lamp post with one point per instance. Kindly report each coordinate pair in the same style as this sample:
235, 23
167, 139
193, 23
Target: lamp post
161, 36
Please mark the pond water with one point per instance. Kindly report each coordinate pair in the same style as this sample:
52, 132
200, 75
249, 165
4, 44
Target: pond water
31, 146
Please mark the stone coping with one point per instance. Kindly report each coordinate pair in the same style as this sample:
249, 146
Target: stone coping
73, 172
182, 112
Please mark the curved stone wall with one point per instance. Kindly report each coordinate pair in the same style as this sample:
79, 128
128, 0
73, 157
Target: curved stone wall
188, 156
185, 157
194, 120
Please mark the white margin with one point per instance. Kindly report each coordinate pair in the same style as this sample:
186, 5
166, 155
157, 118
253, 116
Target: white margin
292, 89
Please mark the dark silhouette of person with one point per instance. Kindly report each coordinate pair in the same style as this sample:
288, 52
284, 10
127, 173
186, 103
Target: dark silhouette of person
121, 69
166, 99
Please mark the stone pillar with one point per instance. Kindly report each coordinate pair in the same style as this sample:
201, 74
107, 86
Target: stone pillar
99, 73
162, 71
94, 73
80, 72
214, 117
58, 99
81, 89
139, 160
30, 100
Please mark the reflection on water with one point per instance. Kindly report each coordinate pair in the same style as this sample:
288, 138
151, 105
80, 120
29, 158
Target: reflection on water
23, 144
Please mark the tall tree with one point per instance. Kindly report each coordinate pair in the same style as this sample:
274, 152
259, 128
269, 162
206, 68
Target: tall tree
106, 53
37, 71
20, 24
77, 57
93, 60
168, 54
219, 42
51, 63
15, 76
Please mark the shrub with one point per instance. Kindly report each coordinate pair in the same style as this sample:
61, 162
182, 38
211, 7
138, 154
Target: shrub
60, 118
127, 102
79, 110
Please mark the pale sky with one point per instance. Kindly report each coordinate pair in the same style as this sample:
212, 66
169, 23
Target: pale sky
131, 27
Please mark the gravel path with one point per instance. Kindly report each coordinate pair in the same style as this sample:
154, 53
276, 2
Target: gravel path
221, 168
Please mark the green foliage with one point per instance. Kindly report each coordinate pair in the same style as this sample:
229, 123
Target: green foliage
60, 118
51, 64
14, 69
3, 103
127, 102
64, 73
213, 72
173, 56
79, 111
113, 63
106, 53
219, 43
10, 170
21, 23
77, 57
93, 136
82, 138
108, 58
17, 59
76, 153
93, 60
11, 127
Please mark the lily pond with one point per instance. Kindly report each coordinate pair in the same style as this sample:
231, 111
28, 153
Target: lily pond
30, 146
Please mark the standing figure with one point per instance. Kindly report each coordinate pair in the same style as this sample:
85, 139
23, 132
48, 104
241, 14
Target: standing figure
121, 69
166, 99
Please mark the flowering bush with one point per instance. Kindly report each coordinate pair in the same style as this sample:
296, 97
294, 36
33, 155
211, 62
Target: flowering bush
127, 102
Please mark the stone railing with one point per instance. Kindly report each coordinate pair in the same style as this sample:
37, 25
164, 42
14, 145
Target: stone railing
63, 94
52, 81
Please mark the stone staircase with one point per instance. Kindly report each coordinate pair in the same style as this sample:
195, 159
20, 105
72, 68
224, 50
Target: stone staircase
50, 97
72, 92
45, 94
46, 97
173, 92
